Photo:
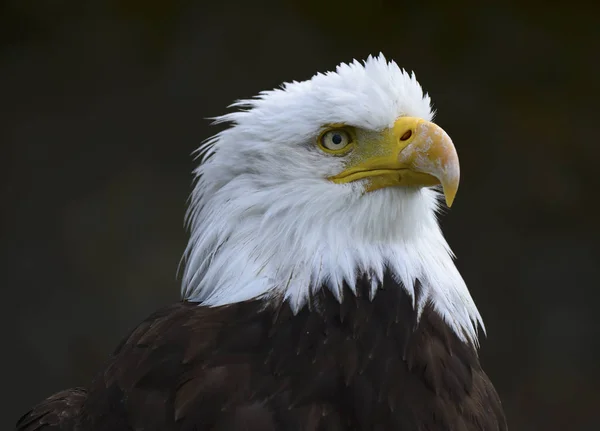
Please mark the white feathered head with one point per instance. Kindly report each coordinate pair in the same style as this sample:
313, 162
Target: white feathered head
321, 181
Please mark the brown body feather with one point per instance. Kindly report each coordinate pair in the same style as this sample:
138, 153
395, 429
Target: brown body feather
358, 365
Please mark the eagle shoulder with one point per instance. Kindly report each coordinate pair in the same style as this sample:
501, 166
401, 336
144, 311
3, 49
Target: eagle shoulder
60, 411
190, 366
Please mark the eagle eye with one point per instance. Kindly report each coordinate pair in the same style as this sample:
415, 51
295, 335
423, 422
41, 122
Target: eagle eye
335, 141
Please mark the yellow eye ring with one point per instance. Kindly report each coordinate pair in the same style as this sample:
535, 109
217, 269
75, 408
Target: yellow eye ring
336, 141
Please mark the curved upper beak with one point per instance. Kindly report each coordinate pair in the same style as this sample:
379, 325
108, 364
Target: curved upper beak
413, 152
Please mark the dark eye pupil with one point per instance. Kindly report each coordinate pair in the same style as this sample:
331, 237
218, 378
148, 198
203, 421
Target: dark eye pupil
336, 139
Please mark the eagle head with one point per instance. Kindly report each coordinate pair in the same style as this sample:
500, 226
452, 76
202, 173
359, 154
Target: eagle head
321, 181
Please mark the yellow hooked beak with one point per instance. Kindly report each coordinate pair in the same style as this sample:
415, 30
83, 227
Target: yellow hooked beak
413, 152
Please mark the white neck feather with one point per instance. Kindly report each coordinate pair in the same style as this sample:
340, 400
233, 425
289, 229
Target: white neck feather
251, 238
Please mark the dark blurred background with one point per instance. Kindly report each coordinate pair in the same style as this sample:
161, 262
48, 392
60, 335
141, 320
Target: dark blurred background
102, 102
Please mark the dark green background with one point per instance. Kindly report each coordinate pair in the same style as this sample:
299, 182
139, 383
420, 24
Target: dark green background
101, 104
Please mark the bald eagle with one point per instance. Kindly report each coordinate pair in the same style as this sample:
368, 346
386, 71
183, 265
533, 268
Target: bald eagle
318, 290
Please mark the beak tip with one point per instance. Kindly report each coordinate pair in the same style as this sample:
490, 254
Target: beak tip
449, 195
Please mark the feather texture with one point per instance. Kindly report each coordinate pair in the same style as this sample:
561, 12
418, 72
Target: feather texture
360, 365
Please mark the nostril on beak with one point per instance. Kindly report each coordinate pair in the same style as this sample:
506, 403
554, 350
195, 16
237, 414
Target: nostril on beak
406, 135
